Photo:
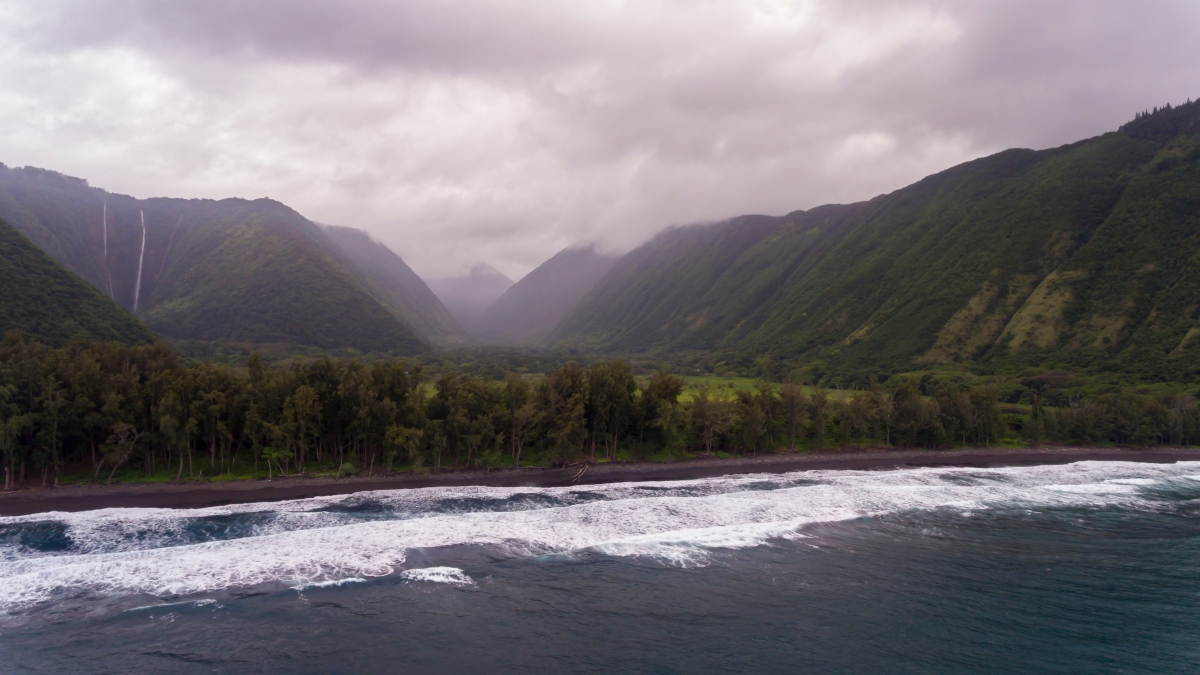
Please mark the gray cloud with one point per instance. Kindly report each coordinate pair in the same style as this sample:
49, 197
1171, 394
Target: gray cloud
461, 131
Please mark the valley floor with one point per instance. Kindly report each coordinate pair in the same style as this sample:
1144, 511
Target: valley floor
209, 494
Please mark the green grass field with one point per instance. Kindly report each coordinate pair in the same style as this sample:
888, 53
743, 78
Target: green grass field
731, 385
693, 383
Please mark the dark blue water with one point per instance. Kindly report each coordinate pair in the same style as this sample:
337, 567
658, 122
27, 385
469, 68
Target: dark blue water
1093, 568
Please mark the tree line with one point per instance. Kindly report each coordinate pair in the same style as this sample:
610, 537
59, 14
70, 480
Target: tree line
145, 411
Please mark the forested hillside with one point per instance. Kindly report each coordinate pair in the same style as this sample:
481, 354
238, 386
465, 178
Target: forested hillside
530, 308
396, 283
1083, 256
48, 303
229, 271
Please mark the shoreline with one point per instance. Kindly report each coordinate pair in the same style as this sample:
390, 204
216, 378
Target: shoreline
209, 494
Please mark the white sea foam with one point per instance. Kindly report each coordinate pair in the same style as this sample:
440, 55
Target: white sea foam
325, 540
438, 575
1107, 487
691, 546
205, 602
331, 583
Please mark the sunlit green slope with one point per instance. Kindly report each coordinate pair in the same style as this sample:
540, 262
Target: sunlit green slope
1079, 256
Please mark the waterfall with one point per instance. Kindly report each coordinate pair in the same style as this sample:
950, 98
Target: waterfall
107, 269
137, 290
170, 240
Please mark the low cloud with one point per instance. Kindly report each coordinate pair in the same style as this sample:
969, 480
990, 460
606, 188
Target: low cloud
463, 131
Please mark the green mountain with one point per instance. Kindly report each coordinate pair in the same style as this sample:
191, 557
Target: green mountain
48, 303
229, 271
1083, 256
530, 308
396, 283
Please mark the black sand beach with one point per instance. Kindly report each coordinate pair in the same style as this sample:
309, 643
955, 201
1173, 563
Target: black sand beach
205, 494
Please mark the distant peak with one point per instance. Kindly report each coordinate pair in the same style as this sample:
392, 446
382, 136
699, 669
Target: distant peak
484, 270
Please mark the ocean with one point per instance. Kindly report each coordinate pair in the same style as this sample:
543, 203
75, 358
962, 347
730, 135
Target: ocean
1091, 567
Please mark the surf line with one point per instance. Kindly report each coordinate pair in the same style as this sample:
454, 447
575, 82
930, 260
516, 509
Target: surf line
137, 290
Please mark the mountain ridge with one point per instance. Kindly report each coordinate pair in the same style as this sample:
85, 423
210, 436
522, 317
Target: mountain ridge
1018, 259
529, 309
398, 285
229, 271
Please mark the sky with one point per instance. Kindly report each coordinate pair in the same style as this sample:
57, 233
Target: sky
468, 131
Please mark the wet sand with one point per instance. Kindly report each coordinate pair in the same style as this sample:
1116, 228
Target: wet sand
205, 494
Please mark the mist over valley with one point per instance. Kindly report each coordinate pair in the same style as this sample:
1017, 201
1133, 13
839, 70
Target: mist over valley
761, 336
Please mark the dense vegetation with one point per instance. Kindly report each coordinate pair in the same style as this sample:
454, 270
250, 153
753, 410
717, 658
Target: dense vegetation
1081, 257
398, 286
260, 273
48, 208
229, 271
143, 411
530, 308
53, 305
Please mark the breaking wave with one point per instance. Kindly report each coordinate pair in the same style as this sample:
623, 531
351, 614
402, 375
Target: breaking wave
349, 538
438, 575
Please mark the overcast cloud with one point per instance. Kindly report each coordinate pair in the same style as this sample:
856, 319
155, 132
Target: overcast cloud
461, 131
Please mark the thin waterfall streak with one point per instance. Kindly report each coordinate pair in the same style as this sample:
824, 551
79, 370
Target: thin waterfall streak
137, 289
107, 269
167, 254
